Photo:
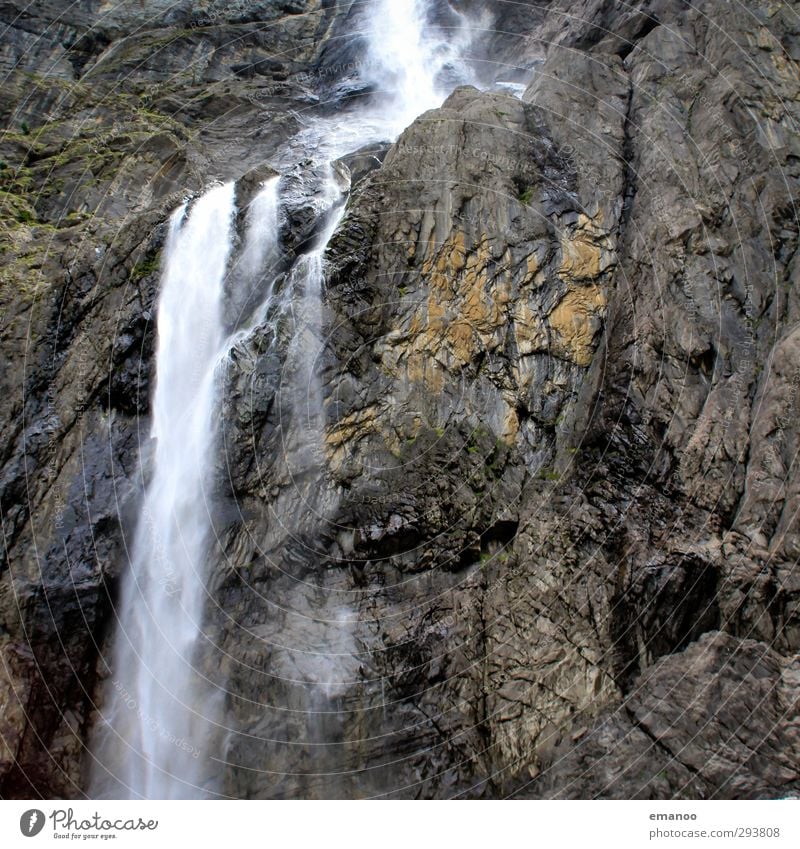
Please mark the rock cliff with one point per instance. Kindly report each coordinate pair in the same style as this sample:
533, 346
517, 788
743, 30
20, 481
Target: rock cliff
545, 542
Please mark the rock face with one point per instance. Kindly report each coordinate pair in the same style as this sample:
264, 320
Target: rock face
541, 538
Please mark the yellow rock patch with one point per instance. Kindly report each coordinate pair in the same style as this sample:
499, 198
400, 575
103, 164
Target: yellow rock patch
530, 330
462, 312
347, 431
354, 426
575, 322
584, 250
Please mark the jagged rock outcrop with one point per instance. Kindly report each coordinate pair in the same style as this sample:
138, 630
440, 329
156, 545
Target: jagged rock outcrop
546, 545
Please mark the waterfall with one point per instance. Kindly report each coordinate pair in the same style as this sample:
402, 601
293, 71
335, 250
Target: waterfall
413, 61
250, 281
403, 58
261, 246
160, 732
305, 348
416, 55
153, 741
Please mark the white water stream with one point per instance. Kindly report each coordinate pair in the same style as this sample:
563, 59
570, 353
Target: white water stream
157, 715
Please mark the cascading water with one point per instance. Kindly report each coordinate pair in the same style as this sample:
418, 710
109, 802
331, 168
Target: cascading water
304, 290
153, 741
413, 63
161, 731
250, 281
404, 59
158, 734
262, 226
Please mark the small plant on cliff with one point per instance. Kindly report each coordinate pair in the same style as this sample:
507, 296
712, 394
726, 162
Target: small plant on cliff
145, 268
526, 195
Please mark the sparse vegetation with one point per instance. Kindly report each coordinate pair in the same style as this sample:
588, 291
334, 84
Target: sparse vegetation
145, 268
13, 207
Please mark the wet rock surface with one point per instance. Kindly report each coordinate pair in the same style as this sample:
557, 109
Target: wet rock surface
541, 538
